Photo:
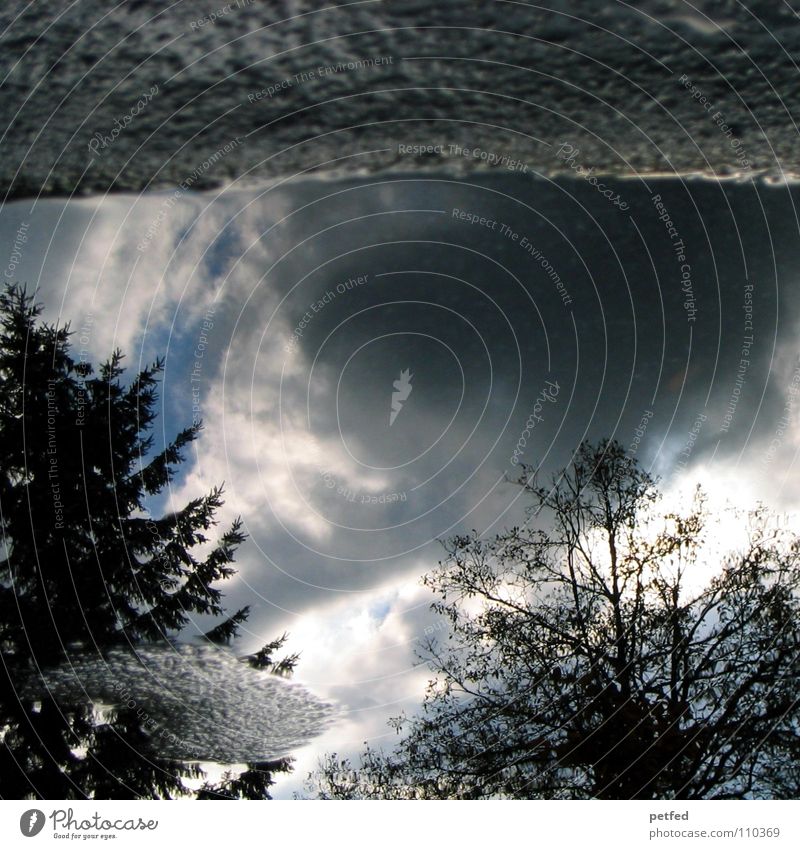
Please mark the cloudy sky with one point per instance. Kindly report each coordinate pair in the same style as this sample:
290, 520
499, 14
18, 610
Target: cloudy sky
529, 314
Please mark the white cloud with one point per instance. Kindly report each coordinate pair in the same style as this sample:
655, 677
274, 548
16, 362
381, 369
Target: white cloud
361, 652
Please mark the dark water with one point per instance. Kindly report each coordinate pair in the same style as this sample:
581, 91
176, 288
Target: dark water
98, 97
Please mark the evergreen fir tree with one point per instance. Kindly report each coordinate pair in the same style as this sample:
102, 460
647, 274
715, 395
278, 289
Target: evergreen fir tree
84, 566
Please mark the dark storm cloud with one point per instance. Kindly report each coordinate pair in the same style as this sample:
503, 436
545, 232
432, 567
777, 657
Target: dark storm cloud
484, 291
654, 330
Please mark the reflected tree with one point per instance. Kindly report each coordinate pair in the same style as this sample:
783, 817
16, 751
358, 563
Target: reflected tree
605, 651
85, 566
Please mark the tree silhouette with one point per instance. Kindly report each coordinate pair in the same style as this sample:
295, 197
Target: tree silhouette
591, 660
85, 566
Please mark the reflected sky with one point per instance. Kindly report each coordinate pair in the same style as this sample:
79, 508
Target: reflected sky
528, 314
